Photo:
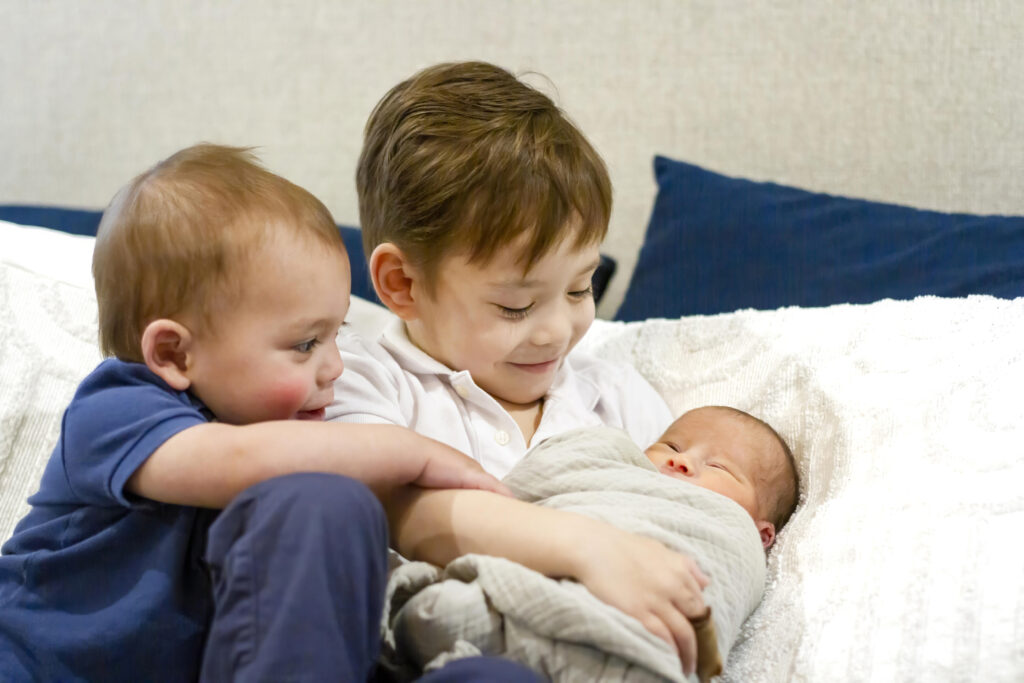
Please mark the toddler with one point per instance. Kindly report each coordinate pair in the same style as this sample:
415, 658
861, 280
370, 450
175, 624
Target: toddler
221, 288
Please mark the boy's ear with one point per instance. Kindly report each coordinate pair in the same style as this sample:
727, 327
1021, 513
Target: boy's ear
395, 280
166, 345
767, 531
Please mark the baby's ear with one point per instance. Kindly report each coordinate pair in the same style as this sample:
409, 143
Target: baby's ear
767, 531
165, 348
394, 278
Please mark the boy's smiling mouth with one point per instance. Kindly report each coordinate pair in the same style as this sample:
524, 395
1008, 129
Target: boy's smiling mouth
538, 368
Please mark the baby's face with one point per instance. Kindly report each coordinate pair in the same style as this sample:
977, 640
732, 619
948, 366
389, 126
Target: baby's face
717, 450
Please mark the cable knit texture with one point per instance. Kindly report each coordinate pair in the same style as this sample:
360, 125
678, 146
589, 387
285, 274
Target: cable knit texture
903, 561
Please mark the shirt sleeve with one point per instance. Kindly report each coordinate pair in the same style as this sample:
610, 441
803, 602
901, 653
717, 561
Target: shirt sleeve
368, 391
120, 415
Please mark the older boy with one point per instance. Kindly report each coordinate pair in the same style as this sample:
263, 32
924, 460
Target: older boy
482, 208
221, 288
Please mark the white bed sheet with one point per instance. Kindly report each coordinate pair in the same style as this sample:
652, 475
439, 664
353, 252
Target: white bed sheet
904, 561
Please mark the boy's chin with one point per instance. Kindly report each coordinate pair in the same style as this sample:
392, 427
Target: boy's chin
525, 396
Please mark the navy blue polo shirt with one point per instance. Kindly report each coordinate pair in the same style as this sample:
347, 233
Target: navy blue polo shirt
96, 584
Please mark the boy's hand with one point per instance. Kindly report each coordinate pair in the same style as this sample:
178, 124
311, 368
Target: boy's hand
447, 468
651, 583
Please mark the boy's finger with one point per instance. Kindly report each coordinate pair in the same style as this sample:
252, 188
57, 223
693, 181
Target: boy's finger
690, 603
684, 637
701, 577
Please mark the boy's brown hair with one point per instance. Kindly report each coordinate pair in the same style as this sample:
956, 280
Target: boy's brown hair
177, 238
465, 158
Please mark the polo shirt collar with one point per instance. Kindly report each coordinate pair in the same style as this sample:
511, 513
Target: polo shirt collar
570, 387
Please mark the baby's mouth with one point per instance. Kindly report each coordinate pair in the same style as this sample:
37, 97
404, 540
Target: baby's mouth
316, 415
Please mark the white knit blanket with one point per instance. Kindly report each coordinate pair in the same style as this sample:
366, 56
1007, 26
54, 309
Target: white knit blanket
487, 605
905, 559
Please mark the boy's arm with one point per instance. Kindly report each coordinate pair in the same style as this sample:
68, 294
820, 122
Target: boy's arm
640, 576
207, 465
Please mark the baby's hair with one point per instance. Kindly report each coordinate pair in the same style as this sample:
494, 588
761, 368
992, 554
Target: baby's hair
781, 492
173, 240
465, 158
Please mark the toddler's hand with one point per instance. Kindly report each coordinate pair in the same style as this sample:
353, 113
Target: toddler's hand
646, 580
447, 468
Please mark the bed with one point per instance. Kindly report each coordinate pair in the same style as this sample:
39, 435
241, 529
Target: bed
818, 220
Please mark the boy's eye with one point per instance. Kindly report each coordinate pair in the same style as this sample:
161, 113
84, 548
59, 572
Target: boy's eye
582, 293
306, 346
515, 313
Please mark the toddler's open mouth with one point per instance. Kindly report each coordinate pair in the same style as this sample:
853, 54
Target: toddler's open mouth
317, 414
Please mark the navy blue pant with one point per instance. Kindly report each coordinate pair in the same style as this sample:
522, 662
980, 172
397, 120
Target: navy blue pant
299, 568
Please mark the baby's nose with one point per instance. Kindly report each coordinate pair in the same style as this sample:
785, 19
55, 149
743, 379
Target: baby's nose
679, 465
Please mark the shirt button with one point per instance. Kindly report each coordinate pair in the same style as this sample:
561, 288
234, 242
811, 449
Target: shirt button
461, 390
501, 436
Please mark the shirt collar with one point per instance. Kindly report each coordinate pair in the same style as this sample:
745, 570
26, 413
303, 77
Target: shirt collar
395, 338
571, 387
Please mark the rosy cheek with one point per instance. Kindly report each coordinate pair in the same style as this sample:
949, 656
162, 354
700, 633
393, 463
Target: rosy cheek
284, 398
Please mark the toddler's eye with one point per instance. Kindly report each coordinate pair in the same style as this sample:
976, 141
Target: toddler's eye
583, 293
306, 346
515, 313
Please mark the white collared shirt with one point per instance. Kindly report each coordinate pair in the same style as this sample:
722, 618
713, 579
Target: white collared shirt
393, 381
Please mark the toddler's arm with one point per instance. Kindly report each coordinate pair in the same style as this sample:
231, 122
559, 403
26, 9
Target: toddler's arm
640, 576
209, 464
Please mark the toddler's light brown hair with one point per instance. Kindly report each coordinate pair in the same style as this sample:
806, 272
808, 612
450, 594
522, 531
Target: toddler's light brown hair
178, 237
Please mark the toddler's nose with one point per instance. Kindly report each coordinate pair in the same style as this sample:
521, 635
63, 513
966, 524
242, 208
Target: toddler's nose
332, 369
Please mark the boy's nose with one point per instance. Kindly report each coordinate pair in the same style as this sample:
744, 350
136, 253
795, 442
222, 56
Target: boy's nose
554, 330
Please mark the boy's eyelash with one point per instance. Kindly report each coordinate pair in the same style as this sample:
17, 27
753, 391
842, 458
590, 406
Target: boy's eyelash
520, 313
515, 313
583, 293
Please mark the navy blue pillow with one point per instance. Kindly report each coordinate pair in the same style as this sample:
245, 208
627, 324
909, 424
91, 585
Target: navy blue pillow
85, 222
718, 244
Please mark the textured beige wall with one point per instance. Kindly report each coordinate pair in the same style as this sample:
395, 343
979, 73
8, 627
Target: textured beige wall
917, 102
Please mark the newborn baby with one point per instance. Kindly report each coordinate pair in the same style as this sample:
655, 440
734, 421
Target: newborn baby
745, 491
730, 452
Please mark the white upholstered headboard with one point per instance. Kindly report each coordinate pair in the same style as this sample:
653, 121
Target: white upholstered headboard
915, 102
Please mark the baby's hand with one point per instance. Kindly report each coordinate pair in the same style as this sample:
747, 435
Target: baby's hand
447, 468
646, 580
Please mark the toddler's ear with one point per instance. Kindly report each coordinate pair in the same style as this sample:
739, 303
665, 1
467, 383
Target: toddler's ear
393, 279
165, 347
